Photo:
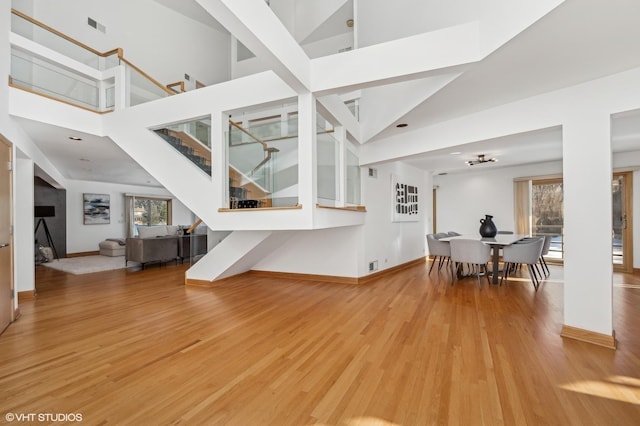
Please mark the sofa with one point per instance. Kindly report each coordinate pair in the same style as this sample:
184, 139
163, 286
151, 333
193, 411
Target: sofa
163, 243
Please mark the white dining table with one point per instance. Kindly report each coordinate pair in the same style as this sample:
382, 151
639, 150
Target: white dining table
500, 240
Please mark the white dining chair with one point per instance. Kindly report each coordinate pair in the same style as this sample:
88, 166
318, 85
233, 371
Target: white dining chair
526, 253
440, 250
472, 252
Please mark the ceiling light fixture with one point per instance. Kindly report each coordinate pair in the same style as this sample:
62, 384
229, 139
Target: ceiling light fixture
481, 159
75, 138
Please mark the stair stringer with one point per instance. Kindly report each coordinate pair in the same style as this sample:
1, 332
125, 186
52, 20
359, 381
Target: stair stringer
236, 254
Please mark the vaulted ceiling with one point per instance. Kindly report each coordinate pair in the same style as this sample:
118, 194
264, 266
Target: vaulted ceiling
577, 41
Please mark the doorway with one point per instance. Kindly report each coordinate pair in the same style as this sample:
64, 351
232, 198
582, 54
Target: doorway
6, 246
622, 230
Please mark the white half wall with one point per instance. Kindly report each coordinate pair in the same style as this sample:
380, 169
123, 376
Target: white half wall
333, 252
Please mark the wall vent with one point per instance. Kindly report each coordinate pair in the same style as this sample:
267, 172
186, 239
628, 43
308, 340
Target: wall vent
373, 173
96, 25
345, 49
373, 266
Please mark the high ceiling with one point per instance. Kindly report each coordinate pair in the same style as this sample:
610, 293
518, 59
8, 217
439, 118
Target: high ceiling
578, 41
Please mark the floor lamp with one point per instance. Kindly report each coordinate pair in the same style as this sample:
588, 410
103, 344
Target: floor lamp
41, 212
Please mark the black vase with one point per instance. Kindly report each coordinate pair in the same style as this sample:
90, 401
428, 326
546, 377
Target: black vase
488, 228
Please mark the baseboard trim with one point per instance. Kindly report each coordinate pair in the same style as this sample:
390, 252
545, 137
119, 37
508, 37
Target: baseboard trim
83, 253
304, 277
26, 295
392, 270
307, 277
589, 336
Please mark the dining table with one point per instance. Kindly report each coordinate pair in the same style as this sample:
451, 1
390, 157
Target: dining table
496, 243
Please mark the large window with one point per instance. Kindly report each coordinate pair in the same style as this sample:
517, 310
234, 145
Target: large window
146, 211
151, 211
547, 213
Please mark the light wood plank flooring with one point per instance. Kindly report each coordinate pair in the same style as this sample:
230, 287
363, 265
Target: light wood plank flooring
140, 348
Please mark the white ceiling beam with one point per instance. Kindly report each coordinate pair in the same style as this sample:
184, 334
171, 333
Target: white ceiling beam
255, 25
333, 108
408, 58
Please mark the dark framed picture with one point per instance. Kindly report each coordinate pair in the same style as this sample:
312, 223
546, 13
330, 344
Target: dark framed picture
97, 209
404, 201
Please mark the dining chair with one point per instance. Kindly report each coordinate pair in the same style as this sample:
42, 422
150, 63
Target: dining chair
525, 253
545, 251
440, 250
505, 232
471, 252
453, 234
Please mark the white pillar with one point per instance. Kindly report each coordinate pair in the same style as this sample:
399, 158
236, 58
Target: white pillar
588, 269
307, 173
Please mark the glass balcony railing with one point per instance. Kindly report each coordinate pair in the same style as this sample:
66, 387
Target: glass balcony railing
50, 79
328, 160
263, 165
61, 68
353, 179
141, 87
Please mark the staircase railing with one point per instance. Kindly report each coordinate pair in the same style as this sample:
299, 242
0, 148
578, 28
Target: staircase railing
192, 139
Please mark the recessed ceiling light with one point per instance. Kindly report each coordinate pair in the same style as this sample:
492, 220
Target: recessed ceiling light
75, 138
401, 125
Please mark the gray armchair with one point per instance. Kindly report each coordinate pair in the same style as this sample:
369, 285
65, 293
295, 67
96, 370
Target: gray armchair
472, 252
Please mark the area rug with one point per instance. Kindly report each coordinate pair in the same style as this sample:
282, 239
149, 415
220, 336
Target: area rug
88, 264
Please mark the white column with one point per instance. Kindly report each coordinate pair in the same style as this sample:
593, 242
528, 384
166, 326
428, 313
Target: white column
588, 269
307, 173
23, 227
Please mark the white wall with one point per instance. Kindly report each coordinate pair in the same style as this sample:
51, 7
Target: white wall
379, 20
23, 224
465, 198
393, 243
82, 238
147, 31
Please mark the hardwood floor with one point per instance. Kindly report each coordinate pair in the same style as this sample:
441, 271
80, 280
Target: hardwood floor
139, 348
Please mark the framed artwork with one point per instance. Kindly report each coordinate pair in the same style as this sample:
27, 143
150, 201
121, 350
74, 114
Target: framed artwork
404, 201
97, 209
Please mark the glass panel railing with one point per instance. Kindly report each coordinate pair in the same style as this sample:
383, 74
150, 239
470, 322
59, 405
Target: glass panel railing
58, 42
40, 76
328, 157
196, 148
353, 178
142, 88
263, 170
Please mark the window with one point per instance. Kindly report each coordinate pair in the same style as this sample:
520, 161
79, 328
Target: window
146, 211
151, 211
547, 215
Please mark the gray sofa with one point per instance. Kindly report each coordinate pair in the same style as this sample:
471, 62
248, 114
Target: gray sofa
163, 244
